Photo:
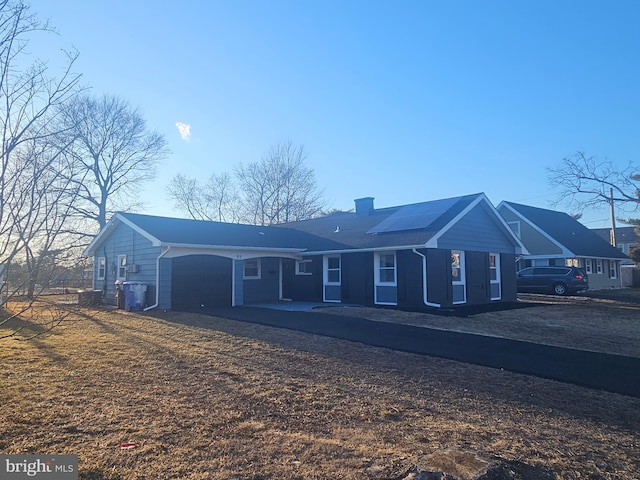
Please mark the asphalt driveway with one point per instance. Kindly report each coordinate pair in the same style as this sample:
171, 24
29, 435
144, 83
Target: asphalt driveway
612, 373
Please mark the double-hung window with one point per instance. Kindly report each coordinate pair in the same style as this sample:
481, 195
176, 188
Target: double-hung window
332, 270
386, 268
613, 271
122, 267
458, 277
102, 268
599, 268
588, 266
494, 276
303, 267
252, 269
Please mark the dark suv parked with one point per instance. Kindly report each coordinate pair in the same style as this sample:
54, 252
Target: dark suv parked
558, 280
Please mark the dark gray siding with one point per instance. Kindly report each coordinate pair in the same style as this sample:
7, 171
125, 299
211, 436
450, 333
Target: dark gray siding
508, 278
164, 300
139, 251
357, 278
267, 287
303, 288
479, 230
238, 282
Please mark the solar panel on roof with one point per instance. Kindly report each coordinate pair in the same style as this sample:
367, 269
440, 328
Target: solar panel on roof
414, 217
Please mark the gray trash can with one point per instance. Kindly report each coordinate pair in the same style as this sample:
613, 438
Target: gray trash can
135, 295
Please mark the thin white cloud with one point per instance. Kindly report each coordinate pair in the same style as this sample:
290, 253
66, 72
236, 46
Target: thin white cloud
185, 130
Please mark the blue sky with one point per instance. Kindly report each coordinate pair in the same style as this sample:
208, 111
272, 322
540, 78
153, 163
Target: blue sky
404, 101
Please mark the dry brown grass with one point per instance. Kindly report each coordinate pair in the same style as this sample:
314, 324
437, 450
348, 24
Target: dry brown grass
209, 398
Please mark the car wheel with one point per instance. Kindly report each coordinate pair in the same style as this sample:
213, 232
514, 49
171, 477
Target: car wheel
560, 289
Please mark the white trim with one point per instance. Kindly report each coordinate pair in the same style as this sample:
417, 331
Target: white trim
376, 274
325, 277
612, 263
325, 261
588, 266
425, 296
498, 280
377, 267
104, 265
120, 265
306, 261
158, 280
462, 275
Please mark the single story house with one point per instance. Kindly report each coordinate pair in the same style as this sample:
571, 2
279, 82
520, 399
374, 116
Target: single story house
626, 239
442, 253
555, 238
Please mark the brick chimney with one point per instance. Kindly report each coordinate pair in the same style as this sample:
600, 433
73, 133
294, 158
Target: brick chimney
364, 206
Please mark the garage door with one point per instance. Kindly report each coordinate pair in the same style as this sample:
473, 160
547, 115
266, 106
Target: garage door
200, 281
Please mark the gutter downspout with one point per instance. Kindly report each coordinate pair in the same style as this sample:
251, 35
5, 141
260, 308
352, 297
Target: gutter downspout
155, 305
424, 280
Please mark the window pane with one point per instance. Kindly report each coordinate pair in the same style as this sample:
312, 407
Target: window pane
387, 275
333, 276
493, 274
387, 261
492, 261
333, 262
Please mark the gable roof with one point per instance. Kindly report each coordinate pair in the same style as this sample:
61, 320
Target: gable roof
623, 234
405, 226
569, 234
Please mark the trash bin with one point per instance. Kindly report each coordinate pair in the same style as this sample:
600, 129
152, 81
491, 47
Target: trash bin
135, 294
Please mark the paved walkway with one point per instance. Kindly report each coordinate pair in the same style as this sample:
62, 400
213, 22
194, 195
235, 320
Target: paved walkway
613, 373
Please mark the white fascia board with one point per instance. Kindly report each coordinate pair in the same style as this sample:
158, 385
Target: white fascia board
362, 250
565, 251
230, 251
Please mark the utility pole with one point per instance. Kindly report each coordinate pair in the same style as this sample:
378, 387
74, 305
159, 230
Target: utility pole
613, 219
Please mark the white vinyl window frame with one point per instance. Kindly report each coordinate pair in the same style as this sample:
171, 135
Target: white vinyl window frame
303, 267
459, 278
252, 269
386, 269
599, 267
588, 266
102, 268
515, 226
494, 274
122, 267
613, 270
332, 270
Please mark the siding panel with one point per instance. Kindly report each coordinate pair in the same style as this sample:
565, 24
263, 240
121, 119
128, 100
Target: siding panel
479, 231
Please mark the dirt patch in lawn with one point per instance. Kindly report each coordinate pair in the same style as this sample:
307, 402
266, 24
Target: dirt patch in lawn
209, 398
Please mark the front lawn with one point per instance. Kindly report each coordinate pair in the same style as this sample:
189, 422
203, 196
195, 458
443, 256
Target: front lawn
209, 398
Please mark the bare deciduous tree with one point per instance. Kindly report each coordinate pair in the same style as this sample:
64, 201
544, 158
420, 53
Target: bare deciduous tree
114, 154
30, 172
586, 182
278, 189
216, 200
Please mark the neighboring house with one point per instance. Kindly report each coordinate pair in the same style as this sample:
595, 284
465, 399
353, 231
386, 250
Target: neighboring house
555, 238
626, 239
456, 251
